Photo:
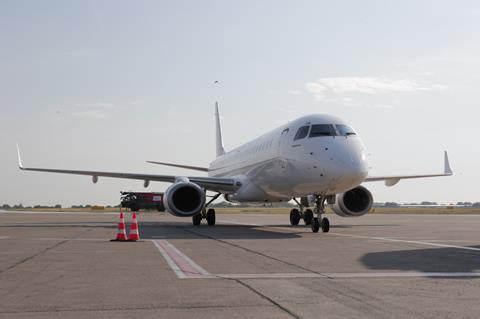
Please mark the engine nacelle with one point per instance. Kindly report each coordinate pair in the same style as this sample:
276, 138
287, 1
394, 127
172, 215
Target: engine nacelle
356, 202
184, 199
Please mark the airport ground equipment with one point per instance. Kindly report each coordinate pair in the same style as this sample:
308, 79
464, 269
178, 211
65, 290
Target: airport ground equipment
142, 200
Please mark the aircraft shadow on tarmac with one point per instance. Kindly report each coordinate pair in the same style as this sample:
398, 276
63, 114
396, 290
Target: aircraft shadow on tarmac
174, 230
443, 260
184, 231
181, 230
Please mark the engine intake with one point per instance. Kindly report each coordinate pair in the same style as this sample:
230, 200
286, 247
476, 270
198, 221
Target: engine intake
184, 199
356, 202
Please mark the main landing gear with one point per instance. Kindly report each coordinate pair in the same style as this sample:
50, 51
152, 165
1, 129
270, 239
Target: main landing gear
316, 222
301, 213
209, 214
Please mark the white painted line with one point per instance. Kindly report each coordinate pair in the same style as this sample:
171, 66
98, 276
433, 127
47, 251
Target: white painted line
272, 276
4, 237
185, 268
170, 262
359, 275
417, 242
181, 264
453, 241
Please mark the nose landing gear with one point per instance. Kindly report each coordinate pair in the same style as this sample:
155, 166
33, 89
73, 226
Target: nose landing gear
319, 222
314, 220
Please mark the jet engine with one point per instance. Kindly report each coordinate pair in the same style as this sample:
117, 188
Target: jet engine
184, 199
356, 202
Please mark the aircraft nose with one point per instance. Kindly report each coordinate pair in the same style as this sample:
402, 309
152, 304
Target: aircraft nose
352, 166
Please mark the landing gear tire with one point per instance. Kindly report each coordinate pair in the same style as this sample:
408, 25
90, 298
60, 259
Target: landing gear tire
210, 217
325, 225
197, 219
308, 216
315, 225
294, 217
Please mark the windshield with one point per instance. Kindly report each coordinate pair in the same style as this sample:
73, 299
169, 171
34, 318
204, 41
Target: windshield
301, 133
322, 130
345, 130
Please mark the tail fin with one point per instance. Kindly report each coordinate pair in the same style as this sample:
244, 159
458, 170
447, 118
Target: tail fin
220, 149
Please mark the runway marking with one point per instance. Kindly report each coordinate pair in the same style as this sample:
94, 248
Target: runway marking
417, 242
4, 237
339, 275
180, 263
185, 268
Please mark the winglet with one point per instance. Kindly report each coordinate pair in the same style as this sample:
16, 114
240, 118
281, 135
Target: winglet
447, 170
219, 140
20, 165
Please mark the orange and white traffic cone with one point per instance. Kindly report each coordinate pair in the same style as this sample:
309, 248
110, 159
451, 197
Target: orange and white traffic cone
121, 234
133, 235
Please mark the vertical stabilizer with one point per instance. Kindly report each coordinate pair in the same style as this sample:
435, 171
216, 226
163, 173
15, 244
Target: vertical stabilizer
220, 149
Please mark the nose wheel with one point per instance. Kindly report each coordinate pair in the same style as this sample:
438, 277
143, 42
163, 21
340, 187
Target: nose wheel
319, 222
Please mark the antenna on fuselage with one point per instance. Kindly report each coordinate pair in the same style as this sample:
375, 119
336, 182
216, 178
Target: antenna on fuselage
219, 140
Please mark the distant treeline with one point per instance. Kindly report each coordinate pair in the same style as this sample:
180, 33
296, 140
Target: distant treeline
426, 203
57, 206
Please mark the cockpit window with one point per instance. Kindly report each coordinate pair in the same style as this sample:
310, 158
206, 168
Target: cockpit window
322, 130
345, 130
301, 133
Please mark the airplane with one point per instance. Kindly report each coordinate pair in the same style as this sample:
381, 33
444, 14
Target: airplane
315, 159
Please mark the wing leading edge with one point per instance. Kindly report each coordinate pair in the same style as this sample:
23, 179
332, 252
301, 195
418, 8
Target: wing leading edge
393, 180
195, 168
209, 183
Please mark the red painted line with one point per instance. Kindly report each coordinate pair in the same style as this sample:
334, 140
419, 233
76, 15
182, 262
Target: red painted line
184, 264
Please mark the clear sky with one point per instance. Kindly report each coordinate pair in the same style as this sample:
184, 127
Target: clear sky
106, 85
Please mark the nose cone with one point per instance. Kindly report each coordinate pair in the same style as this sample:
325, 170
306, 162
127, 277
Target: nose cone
350, 162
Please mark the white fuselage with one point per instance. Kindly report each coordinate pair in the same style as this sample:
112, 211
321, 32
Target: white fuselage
277, 167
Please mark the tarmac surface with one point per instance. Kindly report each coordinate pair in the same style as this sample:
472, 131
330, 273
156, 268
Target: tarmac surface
62, 265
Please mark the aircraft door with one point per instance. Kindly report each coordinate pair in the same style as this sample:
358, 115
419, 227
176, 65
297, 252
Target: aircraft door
283, 141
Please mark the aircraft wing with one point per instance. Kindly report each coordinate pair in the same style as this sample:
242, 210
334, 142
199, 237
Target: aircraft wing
195, 168
393, 180
221, 185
